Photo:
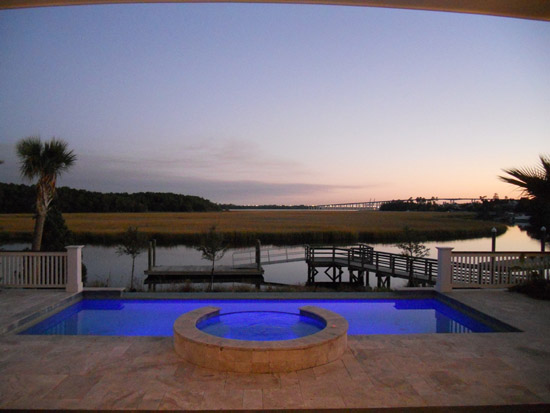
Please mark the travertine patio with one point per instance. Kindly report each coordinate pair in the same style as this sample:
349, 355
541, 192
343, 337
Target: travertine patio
84, 372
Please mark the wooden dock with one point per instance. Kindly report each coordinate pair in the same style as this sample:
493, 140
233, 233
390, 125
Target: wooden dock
202, 274
362, 260
177, 274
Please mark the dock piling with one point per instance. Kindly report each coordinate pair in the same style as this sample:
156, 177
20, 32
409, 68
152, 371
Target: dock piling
258, 254
149, 256
154, 252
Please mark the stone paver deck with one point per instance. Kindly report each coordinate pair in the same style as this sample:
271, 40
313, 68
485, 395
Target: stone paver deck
85, 372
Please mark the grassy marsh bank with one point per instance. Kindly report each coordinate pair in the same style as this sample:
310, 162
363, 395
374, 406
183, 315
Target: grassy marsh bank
271, 227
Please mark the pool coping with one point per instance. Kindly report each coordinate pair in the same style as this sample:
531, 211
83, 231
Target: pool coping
251, 356
35, 316
493, 322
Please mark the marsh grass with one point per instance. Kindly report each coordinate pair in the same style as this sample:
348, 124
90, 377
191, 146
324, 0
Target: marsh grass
241, 228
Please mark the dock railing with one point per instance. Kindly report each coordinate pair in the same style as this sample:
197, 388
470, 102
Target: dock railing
28, 269
333, 253
268, 256
460, 269
364, 256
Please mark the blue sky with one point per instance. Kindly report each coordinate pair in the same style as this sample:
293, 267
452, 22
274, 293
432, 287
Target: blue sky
252, 103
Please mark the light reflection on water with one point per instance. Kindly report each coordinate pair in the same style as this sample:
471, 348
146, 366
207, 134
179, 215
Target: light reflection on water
514, 239
106, 267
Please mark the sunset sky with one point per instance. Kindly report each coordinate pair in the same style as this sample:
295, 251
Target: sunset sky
257, 104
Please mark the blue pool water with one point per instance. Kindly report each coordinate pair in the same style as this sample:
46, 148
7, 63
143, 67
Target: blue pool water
157, 317
261, 325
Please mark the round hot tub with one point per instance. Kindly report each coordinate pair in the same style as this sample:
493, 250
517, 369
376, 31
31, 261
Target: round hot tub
260, 341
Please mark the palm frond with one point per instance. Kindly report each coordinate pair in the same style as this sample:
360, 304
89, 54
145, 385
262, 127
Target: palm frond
533, 181
29, 151
57, 157
545, 161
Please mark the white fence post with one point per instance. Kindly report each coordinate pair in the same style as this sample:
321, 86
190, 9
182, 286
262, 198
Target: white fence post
444, 271
74, 269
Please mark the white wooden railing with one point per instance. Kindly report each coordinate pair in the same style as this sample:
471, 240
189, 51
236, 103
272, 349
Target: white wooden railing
497, 269
26, 269
33, 269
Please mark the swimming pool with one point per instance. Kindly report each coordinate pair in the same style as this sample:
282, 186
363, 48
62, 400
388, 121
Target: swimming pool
131, 317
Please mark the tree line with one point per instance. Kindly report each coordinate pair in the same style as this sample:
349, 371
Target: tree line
20, 198
487, 209
533, 181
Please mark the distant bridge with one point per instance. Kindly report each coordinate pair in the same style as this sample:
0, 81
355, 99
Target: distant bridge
375, 205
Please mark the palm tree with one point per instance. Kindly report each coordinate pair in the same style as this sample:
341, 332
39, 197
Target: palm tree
44, 161
535, 184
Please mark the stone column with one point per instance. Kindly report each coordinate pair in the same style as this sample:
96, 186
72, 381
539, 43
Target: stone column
74, 269
444, 273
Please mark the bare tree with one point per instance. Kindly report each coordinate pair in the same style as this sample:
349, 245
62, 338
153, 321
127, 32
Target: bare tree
133, 243
412, 247
213, 249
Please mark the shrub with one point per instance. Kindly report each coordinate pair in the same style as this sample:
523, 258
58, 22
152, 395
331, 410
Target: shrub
538, 287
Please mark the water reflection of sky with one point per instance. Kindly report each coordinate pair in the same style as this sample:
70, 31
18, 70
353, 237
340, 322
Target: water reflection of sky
514, 239
105, 266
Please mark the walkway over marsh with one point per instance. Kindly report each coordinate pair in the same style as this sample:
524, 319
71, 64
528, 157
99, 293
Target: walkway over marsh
475, 269
359, 260
362, 260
